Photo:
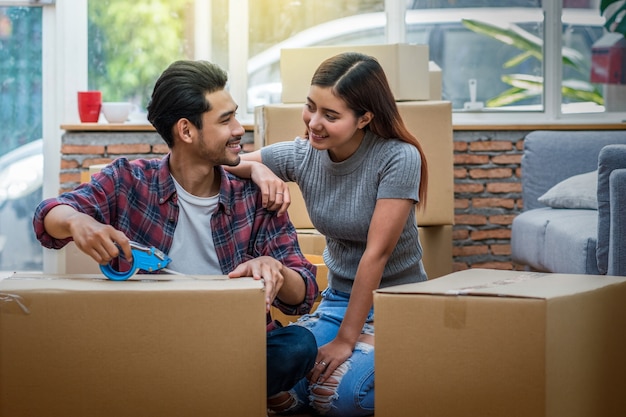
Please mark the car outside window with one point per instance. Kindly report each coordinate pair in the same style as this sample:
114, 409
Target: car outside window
461, 53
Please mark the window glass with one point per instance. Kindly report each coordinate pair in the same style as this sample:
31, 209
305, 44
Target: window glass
455, 45
277, 24
21, 160
478, 42
131, 43
499, 44
583, 29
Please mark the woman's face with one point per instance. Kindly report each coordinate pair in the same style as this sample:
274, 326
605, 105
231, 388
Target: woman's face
331, 124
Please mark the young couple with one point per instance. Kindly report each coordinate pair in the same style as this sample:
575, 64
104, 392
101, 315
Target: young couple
361, 174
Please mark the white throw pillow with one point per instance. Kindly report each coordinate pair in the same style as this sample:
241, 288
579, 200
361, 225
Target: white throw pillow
577, 192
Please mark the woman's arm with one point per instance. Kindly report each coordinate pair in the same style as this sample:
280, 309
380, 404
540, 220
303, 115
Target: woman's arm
275, 191
385, 229
248, 161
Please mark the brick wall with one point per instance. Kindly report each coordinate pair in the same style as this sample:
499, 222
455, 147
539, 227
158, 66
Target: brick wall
79, 150
487, 196
487, 187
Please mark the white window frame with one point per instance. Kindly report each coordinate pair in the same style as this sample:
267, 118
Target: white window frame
64, 72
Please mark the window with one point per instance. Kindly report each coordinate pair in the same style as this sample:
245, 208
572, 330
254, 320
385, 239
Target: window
510, 78
21, 157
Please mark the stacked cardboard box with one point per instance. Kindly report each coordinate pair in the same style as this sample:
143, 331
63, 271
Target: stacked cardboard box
502, 343
81, 345
405, 65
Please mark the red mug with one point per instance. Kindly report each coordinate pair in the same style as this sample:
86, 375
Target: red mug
89, 105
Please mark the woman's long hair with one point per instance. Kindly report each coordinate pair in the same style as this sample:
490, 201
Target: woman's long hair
360, 81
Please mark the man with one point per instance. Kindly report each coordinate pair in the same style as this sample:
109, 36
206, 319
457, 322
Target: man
188, 206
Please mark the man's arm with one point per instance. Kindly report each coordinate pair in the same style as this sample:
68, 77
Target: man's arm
100, 241
281, 281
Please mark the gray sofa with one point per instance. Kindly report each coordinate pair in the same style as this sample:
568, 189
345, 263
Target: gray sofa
574, 192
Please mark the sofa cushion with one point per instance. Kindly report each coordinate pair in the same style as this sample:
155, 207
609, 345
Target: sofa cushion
553, 156
556, 240
528, 234
570, 245
576, 192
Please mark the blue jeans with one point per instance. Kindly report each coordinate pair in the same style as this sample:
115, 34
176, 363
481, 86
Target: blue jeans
291, 353
354, 395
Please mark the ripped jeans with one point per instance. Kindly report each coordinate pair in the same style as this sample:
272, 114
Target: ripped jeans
354, 395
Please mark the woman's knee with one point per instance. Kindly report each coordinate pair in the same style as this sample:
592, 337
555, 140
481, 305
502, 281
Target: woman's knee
350, 389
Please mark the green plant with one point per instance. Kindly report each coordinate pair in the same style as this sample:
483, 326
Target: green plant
131, 43
524, 85
614, 12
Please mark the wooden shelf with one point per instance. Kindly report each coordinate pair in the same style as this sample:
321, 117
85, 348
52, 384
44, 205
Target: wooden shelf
545, 126
106, 127
118, 127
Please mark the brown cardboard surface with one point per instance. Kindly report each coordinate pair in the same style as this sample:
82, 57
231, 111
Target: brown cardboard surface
405, 65
435, 77
83, 346
502, 343
297, 209
77, 262
322, 270
430, 121
311, 241
437, 249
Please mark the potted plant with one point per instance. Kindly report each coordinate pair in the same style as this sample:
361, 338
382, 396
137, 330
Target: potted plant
524, 86
614, 12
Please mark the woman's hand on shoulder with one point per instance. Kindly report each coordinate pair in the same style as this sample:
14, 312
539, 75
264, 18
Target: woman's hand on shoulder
275, 191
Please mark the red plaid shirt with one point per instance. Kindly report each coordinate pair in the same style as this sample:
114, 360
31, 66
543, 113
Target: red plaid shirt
139, 198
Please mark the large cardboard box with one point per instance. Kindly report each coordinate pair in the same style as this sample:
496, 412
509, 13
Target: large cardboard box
298, 213
80, 345
430, 121
435, 79
437, 249
311, 241
502, 343
405, 65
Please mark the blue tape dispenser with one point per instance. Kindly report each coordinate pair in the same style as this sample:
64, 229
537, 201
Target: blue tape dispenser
145, 258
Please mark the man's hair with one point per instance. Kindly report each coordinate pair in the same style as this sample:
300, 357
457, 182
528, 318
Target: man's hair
180, 93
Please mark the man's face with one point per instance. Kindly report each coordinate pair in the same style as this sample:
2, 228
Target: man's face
221, 132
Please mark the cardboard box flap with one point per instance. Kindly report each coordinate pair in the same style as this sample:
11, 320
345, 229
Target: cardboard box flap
138, 282
498, 283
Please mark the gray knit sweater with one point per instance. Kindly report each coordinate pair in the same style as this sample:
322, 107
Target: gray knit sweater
340, 199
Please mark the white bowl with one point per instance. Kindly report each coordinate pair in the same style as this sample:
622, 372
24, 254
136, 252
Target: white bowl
116, 112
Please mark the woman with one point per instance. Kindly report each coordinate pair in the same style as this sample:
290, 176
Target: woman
361, 172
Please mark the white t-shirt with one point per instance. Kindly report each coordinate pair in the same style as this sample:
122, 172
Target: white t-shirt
193, 251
